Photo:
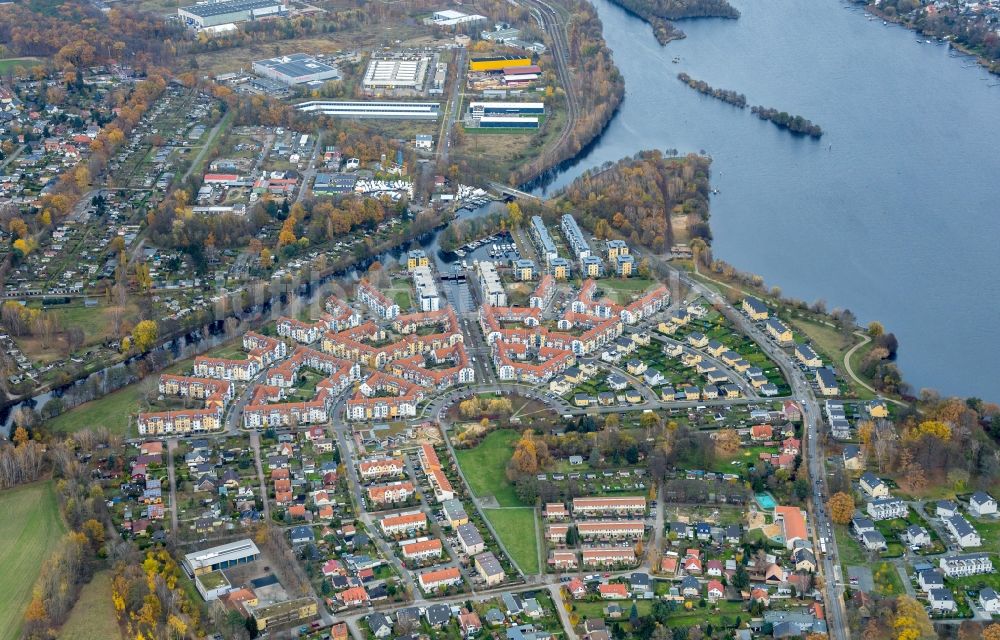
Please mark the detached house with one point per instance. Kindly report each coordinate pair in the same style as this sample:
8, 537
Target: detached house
873, 486
982, 504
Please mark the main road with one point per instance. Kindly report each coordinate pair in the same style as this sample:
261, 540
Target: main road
803, 392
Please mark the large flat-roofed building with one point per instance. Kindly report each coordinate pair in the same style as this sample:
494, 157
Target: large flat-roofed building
574, 237
499, 109
508, 122
220, 557
546, 246
452, 18
498, 63
490, 287
211, 14
373, 110
396, 72
297, 68
427, 293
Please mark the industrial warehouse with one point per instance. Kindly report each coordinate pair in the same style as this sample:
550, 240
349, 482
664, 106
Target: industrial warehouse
498, 63
396, 72
297, 68
373, 110
505, 115
213, 14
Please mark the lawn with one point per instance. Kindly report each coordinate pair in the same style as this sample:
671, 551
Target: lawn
624, 288
851, 552
113, 412
9, 63
516, 528
831, 344
30, 530
485, 466
887, 580
93, 616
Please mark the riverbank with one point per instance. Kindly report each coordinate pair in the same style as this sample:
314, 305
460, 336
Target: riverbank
993, 66
660, 14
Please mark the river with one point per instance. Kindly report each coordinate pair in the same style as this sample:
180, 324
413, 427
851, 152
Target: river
892, 213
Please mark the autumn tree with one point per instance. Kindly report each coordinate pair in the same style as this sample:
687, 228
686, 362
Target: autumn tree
144, 335
841, 506
727, 442
992, 632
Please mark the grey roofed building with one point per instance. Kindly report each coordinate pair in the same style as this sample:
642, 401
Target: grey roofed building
489, 564
438, 615
295, 68
408, 616
334, 183
301, 535
495, 616
511, 602
470, 536
380, 625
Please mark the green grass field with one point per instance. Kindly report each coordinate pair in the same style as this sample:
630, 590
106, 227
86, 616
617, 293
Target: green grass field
9, 63
112, 412
485, 465
93, 616
624, 288
30, 529
516, 528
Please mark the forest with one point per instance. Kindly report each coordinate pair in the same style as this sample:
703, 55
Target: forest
641, 198
659, 13
599, 87
795, 124
726, 95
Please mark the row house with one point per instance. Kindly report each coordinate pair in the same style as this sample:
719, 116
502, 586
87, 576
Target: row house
176, 422
376, 301
384, 396
444, 318
592, 506
611, 529
556, 511
422, 549
439, 482
263, 349
968, 564
299, 331
439, 578
403, 524
285, 414
392, 492
887, 508
563, 560
226, 369
378, 468
556, 533
542, 295
511, 362
458, 370
342, 316
963, 532
215, 393
608, 557
646, 306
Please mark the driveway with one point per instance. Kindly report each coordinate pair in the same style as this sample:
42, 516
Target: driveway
863, 574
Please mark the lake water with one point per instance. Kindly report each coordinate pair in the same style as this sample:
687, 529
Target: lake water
893, 213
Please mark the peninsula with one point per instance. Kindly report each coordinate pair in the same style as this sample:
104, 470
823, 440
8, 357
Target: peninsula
726, 95
660, 13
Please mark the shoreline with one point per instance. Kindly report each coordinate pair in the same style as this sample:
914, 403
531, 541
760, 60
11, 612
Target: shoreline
987, 64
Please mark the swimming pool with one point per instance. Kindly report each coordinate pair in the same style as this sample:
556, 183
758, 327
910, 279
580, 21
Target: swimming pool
765, 501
